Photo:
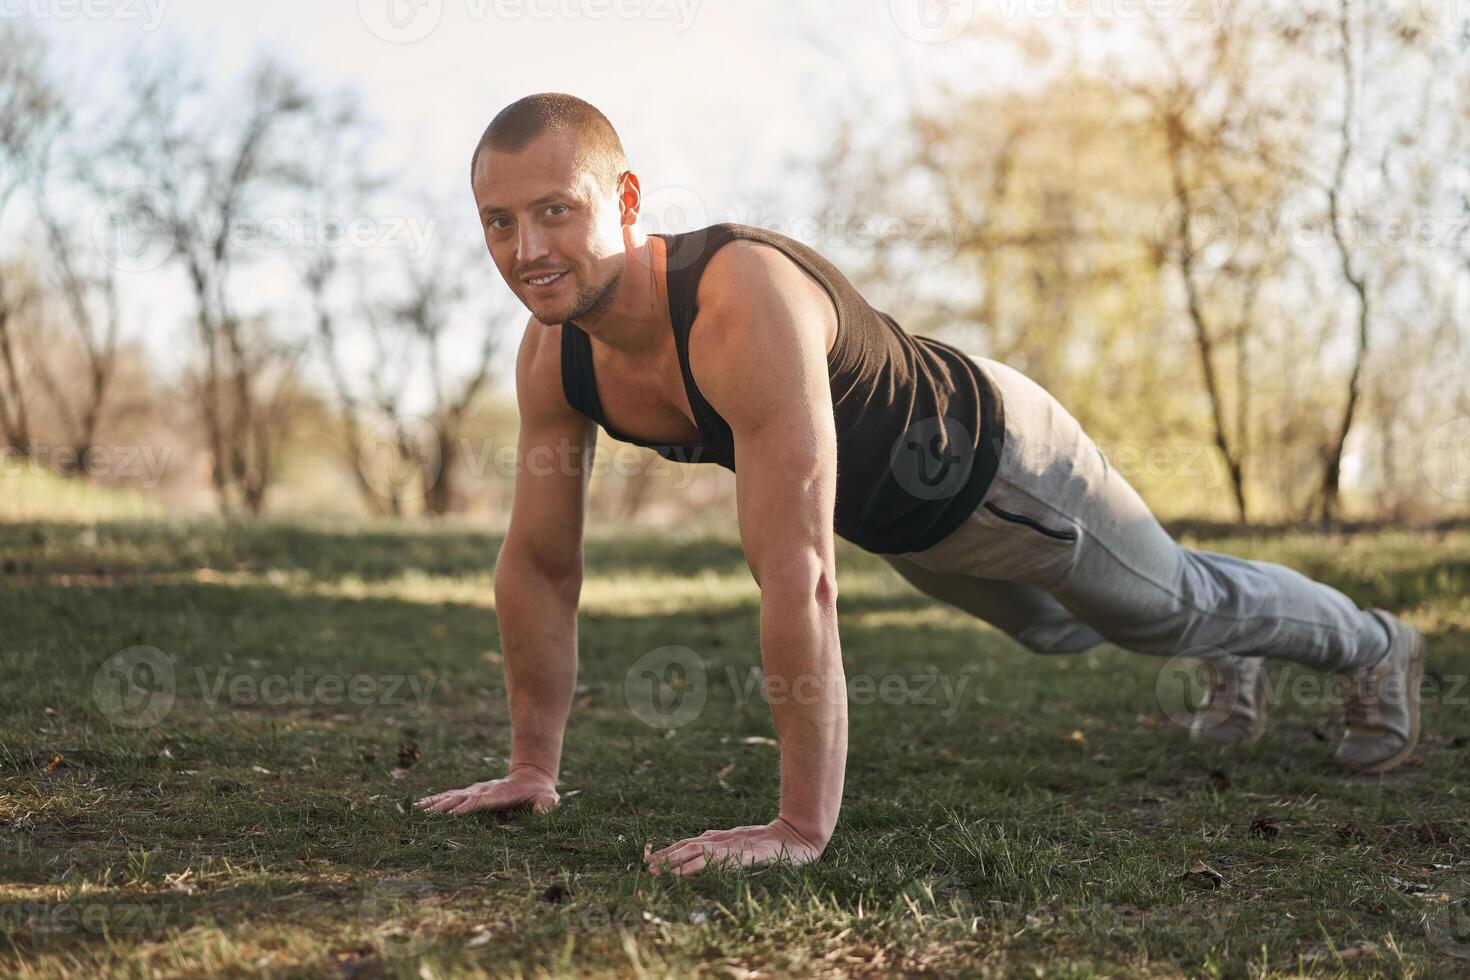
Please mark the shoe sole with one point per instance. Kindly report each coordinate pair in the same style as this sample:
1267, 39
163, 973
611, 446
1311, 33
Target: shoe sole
1415, 676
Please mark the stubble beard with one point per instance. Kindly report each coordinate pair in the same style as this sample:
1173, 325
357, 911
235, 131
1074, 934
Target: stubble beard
594, 301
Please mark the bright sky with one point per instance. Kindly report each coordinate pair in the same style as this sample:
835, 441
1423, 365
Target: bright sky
709, 94
718, 102
714, 99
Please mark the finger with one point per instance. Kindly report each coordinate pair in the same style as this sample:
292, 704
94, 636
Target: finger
689, 851
665, 858
671, 864
690, 867
665, 861
435, 798
722, 837
488, 800
449, 801
718, 858
709, 836
663, 852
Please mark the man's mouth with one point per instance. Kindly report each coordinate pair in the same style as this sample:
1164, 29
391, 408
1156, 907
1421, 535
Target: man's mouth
543, 281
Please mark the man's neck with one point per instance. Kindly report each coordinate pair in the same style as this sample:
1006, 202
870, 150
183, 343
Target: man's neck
636, 323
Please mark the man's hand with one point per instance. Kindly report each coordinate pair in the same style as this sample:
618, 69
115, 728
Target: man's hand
746, 847
524, 785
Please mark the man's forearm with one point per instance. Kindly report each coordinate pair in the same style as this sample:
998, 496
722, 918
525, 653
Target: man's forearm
538, 634
802, 660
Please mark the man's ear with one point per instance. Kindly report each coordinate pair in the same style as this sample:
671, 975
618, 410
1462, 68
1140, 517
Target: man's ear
630, 198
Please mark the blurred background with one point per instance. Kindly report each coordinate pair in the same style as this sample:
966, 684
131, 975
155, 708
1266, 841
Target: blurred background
240, 269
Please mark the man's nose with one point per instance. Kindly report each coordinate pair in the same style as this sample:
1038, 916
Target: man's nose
531, 244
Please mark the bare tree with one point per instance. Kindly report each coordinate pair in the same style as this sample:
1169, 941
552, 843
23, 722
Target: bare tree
435, 288
407, 333
1210, 140
30, 111
203, 174
337, 179
89, 298
388, 377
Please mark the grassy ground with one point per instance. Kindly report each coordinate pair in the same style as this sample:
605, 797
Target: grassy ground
1006, 814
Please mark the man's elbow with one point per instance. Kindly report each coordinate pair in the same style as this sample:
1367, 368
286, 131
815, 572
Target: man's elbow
520, 568
805, 579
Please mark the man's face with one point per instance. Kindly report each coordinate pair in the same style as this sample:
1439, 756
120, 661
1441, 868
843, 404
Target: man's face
554, 232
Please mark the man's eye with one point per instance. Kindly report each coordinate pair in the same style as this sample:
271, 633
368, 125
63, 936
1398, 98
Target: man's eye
556, 210
499, 224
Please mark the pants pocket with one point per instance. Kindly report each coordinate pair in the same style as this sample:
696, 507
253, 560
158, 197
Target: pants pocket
1005, 515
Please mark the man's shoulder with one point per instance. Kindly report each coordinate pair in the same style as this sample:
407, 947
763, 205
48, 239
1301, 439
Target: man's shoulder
538, 342
538, 366
747, 273
760, 310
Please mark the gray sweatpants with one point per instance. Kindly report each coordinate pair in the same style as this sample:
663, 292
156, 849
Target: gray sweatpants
1063, 554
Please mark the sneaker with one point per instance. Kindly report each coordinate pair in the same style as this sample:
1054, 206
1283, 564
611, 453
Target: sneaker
1234, 709
1382, 707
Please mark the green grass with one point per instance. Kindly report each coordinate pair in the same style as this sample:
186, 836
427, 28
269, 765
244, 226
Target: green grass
33, 493
1043, 827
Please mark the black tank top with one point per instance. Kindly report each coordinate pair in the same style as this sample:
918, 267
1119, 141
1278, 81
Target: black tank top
919, 425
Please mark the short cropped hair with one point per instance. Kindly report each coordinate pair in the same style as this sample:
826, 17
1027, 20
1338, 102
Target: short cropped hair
599, 150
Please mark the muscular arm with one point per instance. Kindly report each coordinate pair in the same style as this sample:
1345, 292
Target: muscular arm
538, 578
759, 357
